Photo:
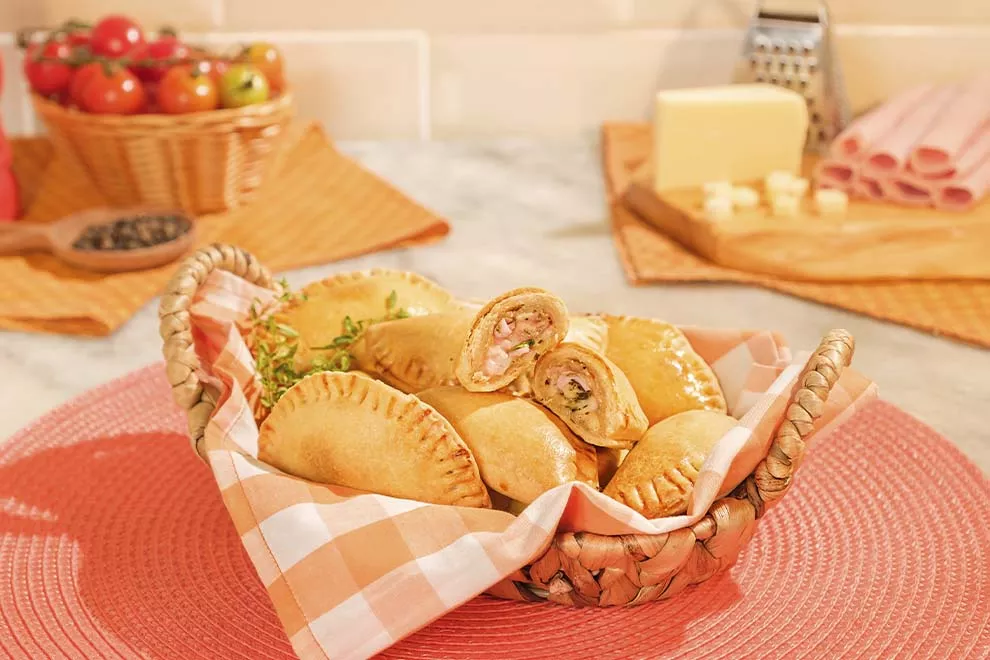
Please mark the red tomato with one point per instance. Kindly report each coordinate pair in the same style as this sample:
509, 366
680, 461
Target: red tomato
48, 77
268, 59
119, 93
115, 36
165, 47
184, 89
8, 196
79, 79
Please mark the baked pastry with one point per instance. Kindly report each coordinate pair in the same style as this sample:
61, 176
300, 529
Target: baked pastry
414, 353
665, 372
590, 394
318, 313
349, 430
592, 331
522, 450
508, 335
657, 477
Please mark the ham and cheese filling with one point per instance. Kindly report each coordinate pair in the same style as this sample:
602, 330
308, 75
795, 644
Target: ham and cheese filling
514, 336
575, 388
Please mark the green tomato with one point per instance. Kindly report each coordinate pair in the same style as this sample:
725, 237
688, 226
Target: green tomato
243, 84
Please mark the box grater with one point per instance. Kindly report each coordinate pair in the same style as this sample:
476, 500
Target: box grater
789, 43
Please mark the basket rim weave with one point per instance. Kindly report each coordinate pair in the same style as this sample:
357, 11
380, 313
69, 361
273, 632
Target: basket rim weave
579, 568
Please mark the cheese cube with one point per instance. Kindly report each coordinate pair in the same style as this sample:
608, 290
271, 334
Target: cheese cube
831, 202
784, 205
797, 187
777, 182
744, 197
726, 133
718, 208
717, 189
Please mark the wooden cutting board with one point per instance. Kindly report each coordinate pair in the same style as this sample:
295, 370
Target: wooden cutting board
873, 241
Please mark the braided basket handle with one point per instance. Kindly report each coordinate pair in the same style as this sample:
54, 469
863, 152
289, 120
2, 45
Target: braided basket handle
181, 361
772, 477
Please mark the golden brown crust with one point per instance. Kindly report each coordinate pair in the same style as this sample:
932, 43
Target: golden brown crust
415, 353
470, 369
319, 313
589, 330
657, 476
666, 373
348, 430
608, 414
522, 450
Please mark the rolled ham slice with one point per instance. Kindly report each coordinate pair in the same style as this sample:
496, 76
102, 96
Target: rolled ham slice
937, 154
908, 189
971, 157
867, 186
835, 173
864, 132
964, 193
891, 152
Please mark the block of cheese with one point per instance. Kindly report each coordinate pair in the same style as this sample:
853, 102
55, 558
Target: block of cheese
831, 202
744, 197
718, 208
785, 206
737, 133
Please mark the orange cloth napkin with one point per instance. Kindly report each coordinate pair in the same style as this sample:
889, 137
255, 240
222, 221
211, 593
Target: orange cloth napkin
957, 309
318, 206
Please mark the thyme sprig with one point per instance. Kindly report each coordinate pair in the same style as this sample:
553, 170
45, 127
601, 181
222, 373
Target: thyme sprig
275, 344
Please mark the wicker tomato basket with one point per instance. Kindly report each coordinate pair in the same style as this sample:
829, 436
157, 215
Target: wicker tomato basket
201, 162
578, 568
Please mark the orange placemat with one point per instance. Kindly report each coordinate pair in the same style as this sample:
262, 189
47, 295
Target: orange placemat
318, 207
953, 309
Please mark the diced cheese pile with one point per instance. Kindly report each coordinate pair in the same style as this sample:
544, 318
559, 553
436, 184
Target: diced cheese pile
783, 193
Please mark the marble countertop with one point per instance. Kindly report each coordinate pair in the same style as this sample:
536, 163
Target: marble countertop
533, 213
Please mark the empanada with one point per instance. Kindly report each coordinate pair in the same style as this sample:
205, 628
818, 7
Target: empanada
665, 372
508, 335
592, 331
349, 430
590, 394
318, 313
522, 450
415, 353
657, 477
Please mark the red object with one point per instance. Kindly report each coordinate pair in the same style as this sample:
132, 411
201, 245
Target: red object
115, 36
48, 77
114, 542
184, 90
119, 93
9, 202
165, 47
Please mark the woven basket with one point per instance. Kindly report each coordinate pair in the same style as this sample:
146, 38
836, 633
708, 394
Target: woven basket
200, 162
578, 568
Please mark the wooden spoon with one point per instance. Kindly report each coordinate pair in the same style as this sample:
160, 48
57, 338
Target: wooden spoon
58, 237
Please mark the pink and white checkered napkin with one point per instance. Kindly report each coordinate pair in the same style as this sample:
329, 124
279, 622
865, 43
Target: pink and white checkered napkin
344, 569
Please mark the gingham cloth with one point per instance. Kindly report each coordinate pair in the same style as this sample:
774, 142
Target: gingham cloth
352, 573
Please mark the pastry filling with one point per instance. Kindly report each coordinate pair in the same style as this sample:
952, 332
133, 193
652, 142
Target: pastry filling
514, 336
574, 389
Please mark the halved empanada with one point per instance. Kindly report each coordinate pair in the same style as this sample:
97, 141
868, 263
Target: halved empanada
415, 353
590, 394
508, 335
657, 476
349, 430
522, 450
666, 373
318, 314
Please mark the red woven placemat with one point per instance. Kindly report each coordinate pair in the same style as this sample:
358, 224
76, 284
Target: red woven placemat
114, 543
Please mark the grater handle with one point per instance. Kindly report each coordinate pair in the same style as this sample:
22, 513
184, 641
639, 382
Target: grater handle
810, 9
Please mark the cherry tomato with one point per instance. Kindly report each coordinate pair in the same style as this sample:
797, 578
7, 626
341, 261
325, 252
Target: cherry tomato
113, 91
268, 59
183, 89
243, 84
48, 77
165, 47
115, 36
82, 76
